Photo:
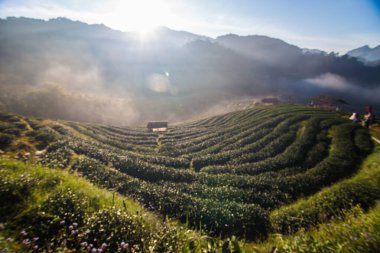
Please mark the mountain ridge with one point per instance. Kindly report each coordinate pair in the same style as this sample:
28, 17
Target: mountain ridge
47, 67
366, 54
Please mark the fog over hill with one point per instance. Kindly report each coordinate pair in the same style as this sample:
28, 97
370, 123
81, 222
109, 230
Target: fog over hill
71, 70
366, 54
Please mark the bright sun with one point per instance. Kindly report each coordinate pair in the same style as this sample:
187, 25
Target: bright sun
141, 15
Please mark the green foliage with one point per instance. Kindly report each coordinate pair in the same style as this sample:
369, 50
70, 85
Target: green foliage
10, 128
363, 190
57, 157
355, 232
56, 212
44, 136
60, 129
235, 174
6, 140
125, 228
242, 163
363, 141
13, 194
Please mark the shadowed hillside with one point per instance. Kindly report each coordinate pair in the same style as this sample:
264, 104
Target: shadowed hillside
75, 71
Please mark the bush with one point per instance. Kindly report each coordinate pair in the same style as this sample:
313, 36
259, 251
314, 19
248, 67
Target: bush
362, 190
124, 227
44, 136
6, 140
14, 195
354, 232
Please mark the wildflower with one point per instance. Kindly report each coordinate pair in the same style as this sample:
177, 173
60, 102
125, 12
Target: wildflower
75, 224
84, 244
104, 245
24, 233
94, 250
354, 238
35, 247
71, 227
2, 226
87, 231
26, 242
62, 222
124, 245
35, 238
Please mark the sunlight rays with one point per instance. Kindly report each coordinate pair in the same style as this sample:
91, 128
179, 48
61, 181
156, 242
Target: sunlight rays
141, 16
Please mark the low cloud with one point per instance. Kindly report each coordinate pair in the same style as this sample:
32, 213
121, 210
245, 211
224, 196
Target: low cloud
333, 82
86, 79
329, 80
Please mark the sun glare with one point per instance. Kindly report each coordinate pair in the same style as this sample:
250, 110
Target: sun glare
142, 16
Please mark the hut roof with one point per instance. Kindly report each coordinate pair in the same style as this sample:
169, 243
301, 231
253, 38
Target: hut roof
157, 124
270, 100
328, 100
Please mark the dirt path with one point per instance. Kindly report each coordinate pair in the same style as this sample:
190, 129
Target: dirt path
376, 140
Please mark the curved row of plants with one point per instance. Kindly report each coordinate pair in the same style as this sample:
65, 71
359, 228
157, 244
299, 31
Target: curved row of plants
45, 210
241, 167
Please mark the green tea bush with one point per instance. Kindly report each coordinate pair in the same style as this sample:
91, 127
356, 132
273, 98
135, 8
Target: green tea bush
60, 129
362, 190
14, 194
363, 141
223, 175
354, 232
56, 217
113, 226
6, 140
57, 158
44, 136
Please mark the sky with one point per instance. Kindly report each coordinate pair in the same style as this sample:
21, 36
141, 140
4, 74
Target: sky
330, 25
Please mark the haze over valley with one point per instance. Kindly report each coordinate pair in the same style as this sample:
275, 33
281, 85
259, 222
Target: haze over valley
65, 69
197, 126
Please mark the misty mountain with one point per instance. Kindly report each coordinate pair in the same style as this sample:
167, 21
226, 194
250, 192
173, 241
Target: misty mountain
261, 48
366, 54
286, 60
68, 69
163, 34
313, 51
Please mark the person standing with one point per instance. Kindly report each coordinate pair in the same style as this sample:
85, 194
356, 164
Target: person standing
355, 117
368, 117
368, 109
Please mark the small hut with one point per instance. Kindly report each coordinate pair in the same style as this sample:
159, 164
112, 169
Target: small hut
157, 126
328, 102
270, 101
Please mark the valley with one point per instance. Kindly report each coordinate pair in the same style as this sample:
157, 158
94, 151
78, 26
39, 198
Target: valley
219, 184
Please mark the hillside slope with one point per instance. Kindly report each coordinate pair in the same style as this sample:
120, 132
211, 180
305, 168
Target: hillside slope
75, 71
244, 173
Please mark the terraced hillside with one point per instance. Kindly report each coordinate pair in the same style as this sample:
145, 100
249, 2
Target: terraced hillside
234, 174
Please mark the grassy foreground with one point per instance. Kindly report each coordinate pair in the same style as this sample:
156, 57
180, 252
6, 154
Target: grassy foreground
48, 210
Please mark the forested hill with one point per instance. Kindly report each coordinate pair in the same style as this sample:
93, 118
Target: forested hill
71, 70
